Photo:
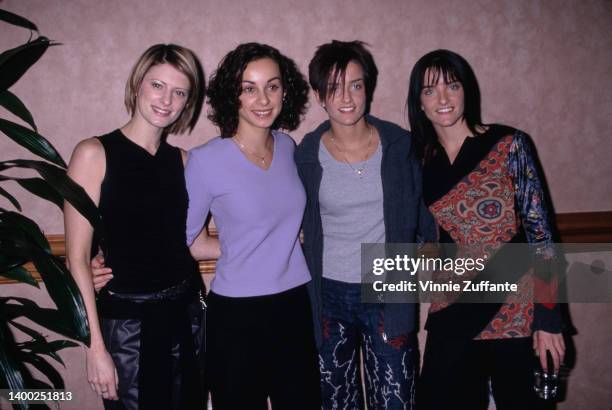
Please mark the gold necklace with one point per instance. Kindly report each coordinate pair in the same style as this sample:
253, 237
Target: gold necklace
247, 150
359, 171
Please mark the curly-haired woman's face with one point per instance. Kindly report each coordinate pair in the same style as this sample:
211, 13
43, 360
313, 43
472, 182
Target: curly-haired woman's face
261, 99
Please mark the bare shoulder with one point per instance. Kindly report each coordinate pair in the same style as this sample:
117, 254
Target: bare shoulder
88, 158
88, 149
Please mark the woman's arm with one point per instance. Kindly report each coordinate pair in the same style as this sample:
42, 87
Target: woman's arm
205, 247
201, 245
534, 212
87, 168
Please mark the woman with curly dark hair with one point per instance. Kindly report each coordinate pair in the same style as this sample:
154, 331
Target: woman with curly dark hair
260, 333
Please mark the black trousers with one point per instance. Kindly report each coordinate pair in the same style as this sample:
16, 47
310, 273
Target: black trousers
260, 347
456, 374
123, 341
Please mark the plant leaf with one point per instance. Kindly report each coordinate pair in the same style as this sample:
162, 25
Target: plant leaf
10, 197
64, 186
59, 282
9, 262
14, 105
43, 366
10, 374
48, 318
16, 61
20, 274
32, 141
49, 349
63, 290
30, 332
16, 20
38, 187
42, 189
26, 225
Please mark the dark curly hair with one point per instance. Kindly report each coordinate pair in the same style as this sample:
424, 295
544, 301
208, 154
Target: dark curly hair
224, 88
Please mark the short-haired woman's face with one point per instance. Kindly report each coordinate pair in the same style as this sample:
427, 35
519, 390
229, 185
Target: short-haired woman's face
442, 102
261, 98
346, 97
162, 95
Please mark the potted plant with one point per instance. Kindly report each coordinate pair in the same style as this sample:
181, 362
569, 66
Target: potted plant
22, 241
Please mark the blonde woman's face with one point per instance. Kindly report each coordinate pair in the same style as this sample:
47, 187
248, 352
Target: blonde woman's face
162, 95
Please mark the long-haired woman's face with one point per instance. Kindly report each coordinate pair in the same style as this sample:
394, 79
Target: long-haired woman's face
442, 99
261, 98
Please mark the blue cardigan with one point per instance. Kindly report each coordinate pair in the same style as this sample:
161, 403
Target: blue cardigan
406, 218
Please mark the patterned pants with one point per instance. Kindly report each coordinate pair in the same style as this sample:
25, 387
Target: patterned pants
389, 365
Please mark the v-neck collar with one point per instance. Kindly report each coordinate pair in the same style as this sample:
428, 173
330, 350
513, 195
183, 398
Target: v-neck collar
440, 176
245, 158
140, 148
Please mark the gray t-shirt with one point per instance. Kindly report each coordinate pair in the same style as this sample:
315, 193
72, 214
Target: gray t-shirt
351, 213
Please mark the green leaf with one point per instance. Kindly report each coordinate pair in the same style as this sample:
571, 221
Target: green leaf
63, 290
44, 367
65, 186
30, 332
16, 240
26, 225
58, 281
20, 274
16, 61
10, 197
42, 189
32, 141
14, 105
49, 349
10, 374
38, 187
16, 20
51, 319
8, 262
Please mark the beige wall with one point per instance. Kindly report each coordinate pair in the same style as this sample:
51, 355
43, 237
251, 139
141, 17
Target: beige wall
543, 66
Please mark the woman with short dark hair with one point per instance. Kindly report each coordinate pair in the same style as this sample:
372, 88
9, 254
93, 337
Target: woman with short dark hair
483, 185
363, 184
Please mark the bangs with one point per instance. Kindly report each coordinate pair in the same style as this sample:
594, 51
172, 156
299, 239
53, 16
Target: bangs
432, 74
333, 77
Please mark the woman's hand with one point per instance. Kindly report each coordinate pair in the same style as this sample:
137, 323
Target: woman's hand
101, 373
552, 342
101, 274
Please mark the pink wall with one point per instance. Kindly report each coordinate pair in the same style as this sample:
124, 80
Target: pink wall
543, 66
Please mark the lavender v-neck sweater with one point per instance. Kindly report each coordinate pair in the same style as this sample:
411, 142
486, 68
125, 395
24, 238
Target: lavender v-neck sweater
258, 214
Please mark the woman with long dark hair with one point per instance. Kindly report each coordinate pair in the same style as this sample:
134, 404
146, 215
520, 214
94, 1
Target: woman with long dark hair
483, 186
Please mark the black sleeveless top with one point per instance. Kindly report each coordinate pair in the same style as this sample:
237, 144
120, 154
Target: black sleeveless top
143, 203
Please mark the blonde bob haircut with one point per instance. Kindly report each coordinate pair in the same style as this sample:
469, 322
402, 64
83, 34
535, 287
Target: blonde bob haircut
185, 61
